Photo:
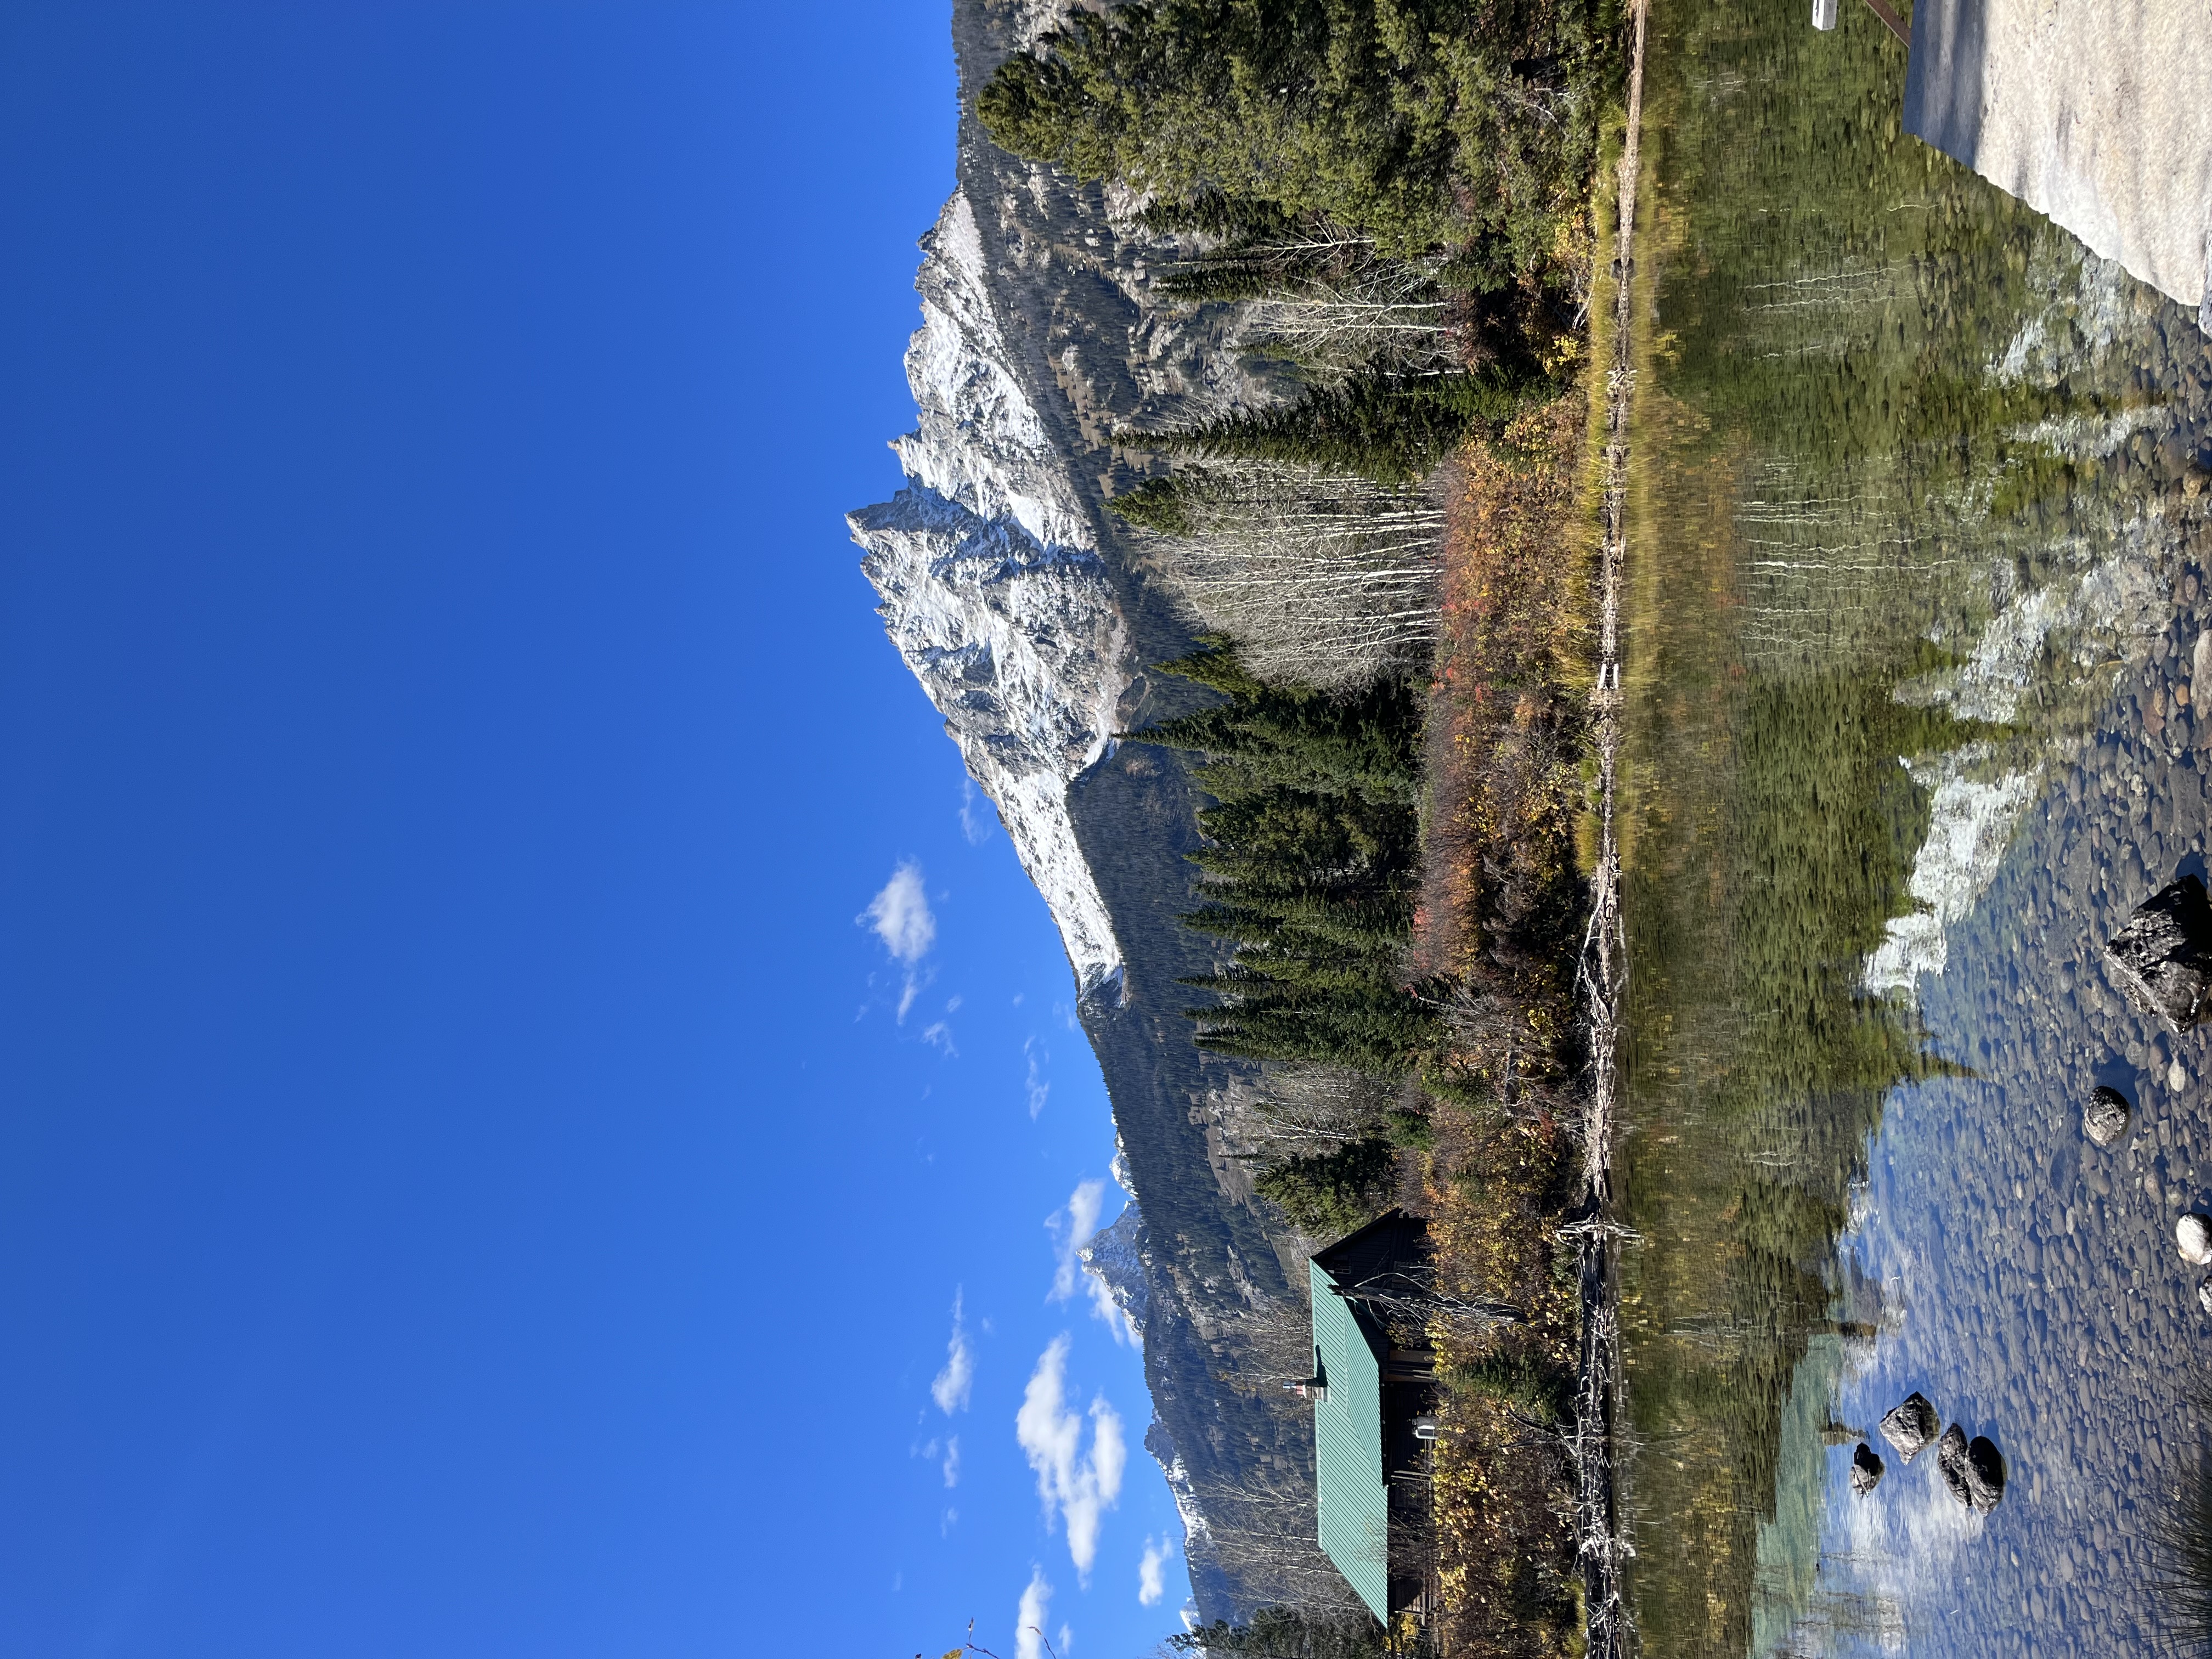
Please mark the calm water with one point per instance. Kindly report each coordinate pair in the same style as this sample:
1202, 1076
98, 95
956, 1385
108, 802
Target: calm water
1915, 562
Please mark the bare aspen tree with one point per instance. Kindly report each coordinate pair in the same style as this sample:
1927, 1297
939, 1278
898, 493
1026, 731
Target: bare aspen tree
1303, 1108
1323, 581
1492, 1045
1273, 1338
1387, 309
1263, 1530
1412, 1304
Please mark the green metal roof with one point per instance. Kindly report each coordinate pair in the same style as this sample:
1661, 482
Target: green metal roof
1355, 1497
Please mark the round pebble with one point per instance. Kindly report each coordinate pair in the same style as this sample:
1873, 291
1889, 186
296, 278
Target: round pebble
2193, 1233
2176, 1079
2205, 1293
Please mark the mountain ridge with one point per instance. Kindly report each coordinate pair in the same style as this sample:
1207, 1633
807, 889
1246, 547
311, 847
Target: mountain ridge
1011, 591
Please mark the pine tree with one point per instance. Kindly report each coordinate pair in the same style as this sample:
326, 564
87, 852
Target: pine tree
1465, 125
1208, 212
1310, 862
1389, 427
1365, 744
1293, 107
1286, 1633
1157, 505
1329, 1194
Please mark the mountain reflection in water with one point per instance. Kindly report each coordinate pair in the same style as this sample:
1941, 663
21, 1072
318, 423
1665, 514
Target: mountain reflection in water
1917, 594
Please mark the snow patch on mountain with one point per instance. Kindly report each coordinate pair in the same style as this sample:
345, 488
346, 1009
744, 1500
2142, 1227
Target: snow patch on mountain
992, 589
1115, 1257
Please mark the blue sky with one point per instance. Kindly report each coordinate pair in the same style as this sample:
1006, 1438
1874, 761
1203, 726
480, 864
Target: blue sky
465, 1186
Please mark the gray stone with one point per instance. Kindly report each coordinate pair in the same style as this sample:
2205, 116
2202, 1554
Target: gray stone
2205, 1293
2163, 955
2105, 1119
1985, 1474
1866, 1469
1951, 1463
1910, 1426
1973, 1472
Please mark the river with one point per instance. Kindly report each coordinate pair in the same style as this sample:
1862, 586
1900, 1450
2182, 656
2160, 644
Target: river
1914, 595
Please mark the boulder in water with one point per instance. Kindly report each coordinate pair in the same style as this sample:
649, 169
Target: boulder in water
1985, 1472
1910, 1426
2193, 1233
1951, 1463
2105, 1119
1866, 1469
2164, 954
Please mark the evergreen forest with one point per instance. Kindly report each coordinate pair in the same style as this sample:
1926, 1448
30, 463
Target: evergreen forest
1395, 199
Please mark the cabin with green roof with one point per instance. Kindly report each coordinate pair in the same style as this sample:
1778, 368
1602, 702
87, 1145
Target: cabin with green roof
1373, 1386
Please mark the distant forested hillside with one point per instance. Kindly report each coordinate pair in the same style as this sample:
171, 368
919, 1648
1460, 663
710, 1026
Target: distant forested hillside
1379, 215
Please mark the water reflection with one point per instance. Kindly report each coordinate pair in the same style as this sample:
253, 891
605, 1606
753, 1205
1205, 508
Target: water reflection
1914, 650
2184, 1534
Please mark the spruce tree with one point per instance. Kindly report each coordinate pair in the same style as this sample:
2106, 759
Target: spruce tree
1424, 125
1311, 866
1392, 429
1327, 1194
1156, 505
1287, 1633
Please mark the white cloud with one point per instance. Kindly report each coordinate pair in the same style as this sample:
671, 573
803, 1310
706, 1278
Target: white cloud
1104, 1306
1036, 1085
938, 1035
976, 824
952, 1462
1152, 1581
900, 917
1029, 1617
1076, 1488
958, 1379
1071, 1229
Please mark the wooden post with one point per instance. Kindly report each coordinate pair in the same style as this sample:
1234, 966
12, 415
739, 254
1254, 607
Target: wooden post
1891, 21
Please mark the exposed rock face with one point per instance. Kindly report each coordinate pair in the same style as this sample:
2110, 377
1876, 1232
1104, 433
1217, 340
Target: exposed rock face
1006, 588
1161, 1444
1866, 1469
992, 589
1910, 1426
1985, 1472
1974, 1473
2164, 955
1115, 1258
2105, 1119
1951, 1464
